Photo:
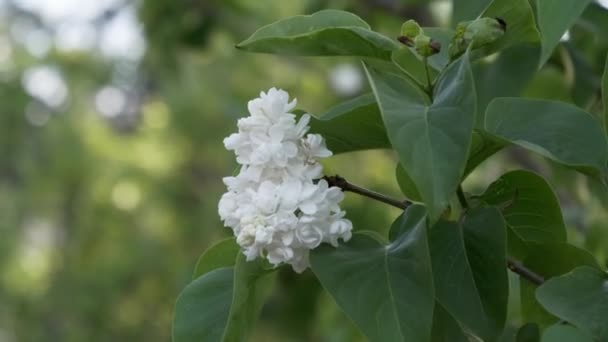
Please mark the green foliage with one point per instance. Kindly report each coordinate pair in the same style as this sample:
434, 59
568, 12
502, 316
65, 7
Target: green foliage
554, 18
387, 290
432, 137
325, 33
221, 304
469, 259
579, 297
558, 131
353, 125
530, 208
445, 109
564, 333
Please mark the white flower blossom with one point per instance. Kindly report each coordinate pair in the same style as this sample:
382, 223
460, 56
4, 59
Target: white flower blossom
275, 206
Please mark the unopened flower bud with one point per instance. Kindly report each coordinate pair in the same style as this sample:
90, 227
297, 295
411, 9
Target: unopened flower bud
478, 32
411, 29
425, 46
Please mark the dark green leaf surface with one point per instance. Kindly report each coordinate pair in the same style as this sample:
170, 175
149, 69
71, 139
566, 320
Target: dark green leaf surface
469, 271
530, 207
554, 18
580, 298
387, 290
564, 333
483, 146
203, 307
558, 131
528, 333
325, 33
353, 125
445, 327
432, 139
506, 76
222, 254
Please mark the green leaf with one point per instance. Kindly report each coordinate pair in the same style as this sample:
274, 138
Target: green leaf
353, 125
222, 254
595, 19
445, 327
554, 18
549, 260
387, 290
467, 9
558, 131
519, 17
579, 297
483, 146
469, 271
407, 186
431, 139
605, 97
530, 207
564, 333
325, 33
528, 333
222, 304
203, 306
505, 76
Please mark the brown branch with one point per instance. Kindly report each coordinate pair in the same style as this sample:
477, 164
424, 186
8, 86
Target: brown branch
524, 272
343, 184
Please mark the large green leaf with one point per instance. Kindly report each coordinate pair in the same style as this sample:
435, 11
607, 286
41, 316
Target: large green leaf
445, 327
431, 138
530, 207
595, 19
222, 254
222, 304
519, 17
558, 131
352, 126
579, 297
469, 271
528, 333
325, 33
549, 260
554, 18
564, 333
387, 290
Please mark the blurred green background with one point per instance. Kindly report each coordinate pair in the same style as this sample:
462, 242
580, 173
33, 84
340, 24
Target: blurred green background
112, 115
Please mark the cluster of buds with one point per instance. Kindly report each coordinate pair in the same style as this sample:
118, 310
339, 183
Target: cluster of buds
412, 35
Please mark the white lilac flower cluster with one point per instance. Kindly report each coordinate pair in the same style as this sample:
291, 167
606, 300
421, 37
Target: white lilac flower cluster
275, 206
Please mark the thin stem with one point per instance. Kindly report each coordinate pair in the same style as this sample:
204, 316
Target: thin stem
346, 186
524, 272
462, 198
429, 84
512, 264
